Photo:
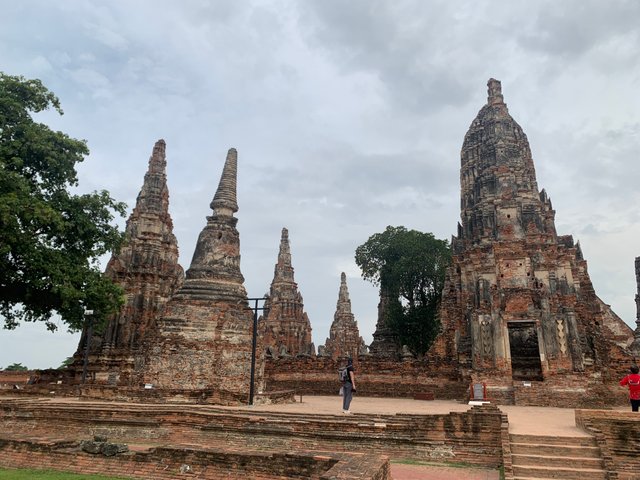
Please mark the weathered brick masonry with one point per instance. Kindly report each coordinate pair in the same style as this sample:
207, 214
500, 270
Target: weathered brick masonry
202, 340
472, 437
518, 304
167, 463
344, 336
285, 329
618, 436
376, 377
147, 269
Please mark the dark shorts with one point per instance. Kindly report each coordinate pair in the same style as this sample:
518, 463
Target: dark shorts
634, 404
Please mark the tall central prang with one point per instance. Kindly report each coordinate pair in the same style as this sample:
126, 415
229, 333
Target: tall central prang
518, 303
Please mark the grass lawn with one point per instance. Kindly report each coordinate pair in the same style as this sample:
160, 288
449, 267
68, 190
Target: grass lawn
25, 474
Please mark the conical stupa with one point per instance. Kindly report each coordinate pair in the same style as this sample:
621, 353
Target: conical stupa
344, 337
203, 339
286, 329
147, 269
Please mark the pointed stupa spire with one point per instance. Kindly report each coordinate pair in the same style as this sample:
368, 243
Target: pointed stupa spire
286, 327
224, 202
158, 159
150, 246
494, 88
154, 196
498, 178
344, 337
283, 269
214, 273
344, 302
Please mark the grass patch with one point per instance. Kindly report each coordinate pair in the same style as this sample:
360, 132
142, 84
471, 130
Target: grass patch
28, 474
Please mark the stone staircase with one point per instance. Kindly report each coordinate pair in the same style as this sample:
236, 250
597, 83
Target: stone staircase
538, 457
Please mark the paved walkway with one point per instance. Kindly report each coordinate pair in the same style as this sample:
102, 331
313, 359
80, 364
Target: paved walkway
433, 472
559, 422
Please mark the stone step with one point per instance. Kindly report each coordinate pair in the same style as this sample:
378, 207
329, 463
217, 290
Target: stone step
555, 450
561, 473
556, 461
545, 440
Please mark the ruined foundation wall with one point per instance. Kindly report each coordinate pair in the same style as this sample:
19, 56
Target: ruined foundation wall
374, 377
618, 435
473, 437
167, 463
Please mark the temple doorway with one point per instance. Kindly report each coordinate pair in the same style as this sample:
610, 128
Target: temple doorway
525, 351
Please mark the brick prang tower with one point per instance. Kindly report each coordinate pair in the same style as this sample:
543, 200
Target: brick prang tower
518, 303
286, 329
147, 269
203, 338
344, 337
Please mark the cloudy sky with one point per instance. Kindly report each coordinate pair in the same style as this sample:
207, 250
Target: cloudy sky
348, 116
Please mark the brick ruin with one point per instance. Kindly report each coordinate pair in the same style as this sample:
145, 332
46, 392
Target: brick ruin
518, 306
518, 313
344, 337
285, 329
202, 340
147, 269
385, 342
223, 443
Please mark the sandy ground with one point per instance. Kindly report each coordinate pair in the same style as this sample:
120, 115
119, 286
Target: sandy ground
522, 420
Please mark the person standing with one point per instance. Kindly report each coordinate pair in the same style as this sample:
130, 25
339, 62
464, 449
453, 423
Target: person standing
633, 382
349, 387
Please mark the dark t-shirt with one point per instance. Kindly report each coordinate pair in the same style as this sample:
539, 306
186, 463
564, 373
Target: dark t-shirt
349, 369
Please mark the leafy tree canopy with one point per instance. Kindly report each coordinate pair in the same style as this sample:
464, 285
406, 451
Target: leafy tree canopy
409, 267
50, 238
65, 363
16, 367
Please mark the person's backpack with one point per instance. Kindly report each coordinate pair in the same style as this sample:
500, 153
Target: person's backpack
343, 374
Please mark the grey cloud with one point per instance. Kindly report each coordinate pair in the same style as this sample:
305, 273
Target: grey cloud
572, 28
347, 116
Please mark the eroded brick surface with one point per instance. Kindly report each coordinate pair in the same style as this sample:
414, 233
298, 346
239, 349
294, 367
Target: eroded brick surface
202, 340
286, 329
147, 269
344, 336
472, 437
618, 436
518, 304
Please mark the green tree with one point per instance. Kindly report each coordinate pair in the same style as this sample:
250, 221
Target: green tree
65, 363
16, 367
50, 238
409, 267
